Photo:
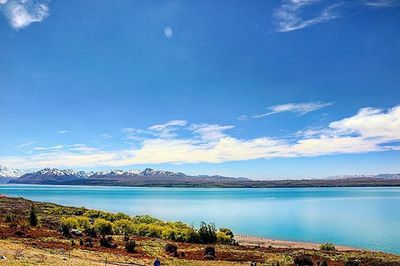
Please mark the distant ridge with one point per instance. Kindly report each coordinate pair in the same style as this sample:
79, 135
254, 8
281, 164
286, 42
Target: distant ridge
116, 177
161, 178
380, 176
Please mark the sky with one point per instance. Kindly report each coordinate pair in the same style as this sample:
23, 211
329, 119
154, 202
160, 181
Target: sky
261, 89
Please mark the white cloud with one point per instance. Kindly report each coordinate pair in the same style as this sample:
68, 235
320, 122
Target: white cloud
381, 3
57, 147
168, 32
370, 130
289, 16
209, 131
22, 13
167, 129
62, 131
298, 14
301, 108
371, 123
242, 117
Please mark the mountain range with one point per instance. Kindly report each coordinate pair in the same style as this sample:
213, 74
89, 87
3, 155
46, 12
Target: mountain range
114, 177
151, 177
7, 174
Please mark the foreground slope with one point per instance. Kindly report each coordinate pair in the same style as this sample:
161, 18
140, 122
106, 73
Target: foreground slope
22, 244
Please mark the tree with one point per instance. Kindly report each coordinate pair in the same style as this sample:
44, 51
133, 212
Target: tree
207, 233
33, 220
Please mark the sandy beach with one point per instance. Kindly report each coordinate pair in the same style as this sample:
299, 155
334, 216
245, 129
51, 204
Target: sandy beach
246, 240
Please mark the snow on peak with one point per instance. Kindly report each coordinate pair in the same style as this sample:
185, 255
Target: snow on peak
145, 172
9, 172
58, 172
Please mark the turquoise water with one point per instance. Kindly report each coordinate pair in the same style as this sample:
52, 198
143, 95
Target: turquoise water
359, 217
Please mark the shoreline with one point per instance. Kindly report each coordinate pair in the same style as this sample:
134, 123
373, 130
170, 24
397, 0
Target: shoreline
255, 241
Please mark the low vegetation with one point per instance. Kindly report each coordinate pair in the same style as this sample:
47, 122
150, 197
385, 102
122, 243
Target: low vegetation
33, 233
328, 247
104, 223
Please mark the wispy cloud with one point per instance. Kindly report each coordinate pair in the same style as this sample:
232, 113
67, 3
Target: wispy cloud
298, 14
290, 15
381, 3
63, 131
167, 130
22, 13
369, 130
242, 117
300, 108
209, 131
25, 144
106, 136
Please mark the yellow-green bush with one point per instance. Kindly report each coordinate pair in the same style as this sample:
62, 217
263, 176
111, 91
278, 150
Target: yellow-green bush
124, 227
223, 238
102, 227
83, 223
69, 222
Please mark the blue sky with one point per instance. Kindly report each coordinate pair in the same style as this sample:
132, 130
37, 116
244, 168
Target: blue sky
264, 89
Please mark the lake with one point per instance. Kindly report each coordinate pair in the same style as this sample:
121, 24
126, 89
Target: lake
358, 217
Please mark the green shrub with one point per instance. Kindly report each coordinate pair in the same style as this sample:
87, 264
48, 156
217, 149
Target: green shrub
33, 220
102, 227
168, 234
223, 238
83, 223
69, 222
227, 231
130, 246
145, 219
79, 211
121, 216
124, 227
327, 246
94, 214
154, 230
207, 233
107, 242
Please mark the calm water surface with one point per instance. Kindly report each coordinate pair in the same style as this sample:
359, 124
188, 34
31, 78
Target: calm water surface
359, 217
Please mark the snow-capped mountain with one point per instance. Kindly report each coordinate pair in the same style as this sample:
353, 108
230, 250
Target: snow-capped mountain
49, 176
58, 172
7, 174
380, 176
116, 172
114, 177
145, 172
10, 173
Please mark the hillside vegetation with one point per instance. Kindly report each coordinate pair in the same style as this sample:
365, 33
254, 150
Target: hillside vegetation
36, 233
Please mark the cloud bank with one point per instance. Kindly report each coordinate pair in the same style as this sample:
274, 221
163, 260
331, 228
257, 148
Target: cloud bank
177, 142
